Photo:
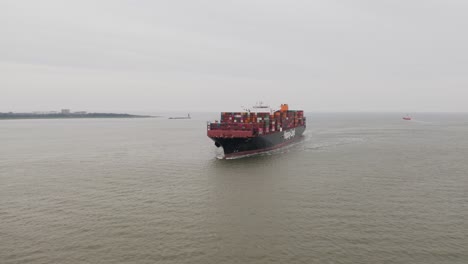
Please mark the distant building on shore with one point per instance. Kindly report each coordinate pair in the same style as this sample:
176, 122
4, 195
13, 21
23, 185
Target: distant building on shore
65, 111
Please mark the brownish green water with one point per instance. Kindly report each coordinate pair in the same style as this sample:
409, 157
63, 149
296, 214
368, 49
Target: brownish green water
360, 188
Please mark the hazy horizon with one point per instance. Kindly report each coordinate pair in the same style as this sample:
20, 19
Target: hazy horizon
211, 56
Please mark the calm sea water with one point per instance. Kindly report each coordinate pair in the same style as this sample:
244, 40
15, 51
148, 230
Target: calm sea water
360, 188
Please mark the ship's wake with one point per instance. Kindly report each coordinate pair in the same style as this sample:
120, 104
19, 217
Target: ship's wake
321, 145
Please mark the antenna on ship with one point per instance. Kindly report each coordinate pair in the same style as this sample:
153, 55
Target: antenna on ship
260, 105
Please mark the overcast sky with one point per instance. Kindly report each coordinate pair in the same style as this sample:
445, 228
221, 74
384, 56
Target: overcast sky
213, 55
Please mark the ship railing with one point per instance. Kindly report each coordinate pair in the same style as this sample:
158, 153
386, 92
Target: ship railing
232, 126
265, 128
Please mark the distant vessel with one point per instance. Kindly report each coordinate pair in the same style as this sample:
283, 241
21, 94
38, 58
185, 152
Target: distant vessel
247, 133
407, 117
181, 117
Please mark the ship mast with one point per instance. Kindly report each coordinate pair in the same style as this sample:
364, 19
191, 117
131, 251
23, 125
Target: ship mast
260, 107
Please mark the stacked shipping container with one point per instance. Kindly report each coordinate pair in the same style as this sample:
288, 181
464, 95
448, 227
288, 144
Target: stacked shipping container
261, 122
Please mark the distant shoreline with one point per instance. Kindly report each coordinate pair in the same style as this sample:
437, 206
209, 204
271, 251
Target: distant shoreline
15, 116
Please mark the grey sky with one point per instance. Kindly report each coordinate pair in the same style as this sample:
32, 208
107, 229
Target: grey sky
212, 55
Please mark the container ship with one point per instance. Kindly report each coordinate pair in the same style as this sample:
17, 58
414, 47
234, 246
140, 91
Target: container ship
256, 131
